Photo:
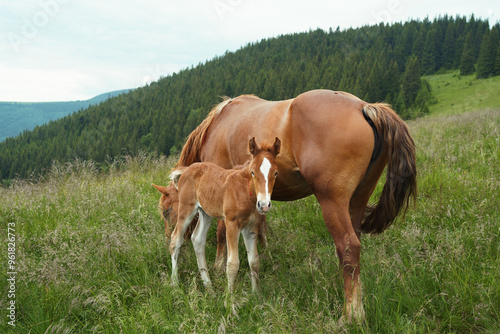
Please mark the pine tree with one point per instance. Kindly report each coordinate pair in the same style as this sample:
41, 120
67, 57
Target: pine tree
411, 81
418, 45
487, 55
459, 47
485, 63
429, 64
374, 85
392, 81
497, 62
467, 60
399, 104
424, 98
449, 48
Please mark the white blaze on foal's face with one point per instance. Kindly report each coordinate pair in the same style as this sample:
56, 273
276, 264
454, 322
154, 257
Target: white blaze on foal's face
264, 199
265, 176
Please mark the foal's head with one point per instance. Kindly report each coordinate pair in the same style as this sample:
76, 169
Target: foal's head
168, 206
264, 171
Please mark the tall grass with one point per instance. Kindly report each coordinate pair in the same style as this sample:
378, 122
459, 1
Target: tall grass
92, 257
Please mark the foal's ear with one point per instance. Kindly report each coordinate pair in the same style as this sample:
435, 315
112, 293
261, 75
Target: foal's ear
163, 190
277, 146
252, 147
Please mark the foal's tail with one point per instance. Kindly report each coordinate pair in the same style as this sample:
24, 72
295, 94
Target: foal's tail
175, 175
401, 179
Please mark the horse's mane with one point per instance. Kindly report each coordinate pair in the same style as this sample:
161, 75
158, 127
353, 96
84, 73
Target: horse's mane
191, 150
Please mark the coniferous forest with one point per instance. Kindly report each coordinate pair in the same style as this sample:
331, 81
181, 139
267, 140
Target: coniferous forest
376, 63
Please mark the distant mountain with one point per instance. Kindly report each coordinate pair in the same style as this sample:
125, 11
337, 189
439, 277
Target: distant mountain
16, 117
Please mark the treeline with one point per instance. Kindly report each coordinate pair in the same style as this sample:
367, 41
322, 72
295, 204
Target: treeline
376, 63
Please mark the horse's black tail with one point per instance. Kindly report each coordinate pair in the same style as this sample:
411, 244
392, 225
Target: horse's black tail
401, 180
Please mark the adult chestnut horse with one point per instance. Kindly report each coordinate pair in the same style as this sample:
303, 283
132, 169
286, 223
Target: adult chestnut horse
334, 146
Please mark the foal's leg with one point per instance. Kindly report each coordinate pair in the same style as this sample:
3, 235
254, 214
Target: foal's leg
186, 215
233, 261
199, 238
221, 257
250, 238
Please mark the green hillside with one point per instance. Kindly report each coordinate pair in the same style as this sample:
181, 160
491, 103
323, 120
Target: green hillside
376, 63
456, 93
16, 117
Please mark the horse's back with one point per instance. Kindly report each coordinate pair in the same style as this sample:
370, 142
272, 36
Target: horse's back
324, 104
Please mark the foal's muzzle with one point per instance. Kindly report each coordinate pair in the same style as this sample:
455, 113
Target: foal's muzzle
263, 207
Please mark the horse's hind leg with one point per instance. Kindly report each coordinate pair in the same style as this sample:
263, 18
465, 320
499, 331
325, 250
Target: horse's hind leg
199, 238
348, 246
186, 215
360, 198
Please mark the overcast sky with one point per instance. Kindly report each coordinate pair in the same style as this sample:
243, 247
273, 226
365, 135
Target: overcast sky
59, 50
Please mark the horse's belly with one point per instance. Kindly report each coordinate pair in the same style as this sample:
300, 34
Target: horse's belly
291, 193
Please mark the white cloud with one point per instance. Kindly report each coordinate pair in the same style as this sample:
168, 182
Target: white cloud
73, 49
42, 85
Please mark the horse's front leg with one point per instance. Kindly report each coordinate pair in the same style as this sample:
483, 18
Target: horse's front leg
262, 231
199, 238
250, 233
233, 261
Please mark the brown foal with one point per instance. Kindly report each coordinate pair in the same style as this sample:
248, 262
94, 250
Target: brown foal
239, 196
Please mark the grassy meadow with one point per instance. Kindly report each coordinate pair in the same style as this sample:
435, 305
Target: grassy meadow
457, 94
91, 256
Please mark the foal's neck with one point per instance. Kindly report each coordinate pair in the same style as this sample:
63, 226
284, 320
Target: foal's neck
244, 171
244, 174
